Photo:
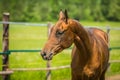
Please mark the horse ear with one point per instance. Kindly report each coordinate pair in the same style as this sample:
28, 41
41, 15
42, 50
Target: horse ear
61, 15
66, 16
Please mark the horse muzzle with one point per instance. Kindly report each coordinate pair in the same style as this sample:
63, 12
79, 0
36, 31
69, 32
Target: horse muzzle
46, 56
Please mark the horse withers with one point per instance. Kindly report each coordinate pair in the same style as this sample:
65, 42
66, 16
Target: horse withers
90, 54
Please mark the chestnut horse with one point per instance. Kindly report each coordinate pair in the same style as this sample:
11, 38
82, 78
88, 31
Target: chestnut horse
90, 54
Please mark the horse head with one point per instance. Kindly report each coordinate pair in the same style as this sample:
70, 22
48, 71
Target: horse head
60, 38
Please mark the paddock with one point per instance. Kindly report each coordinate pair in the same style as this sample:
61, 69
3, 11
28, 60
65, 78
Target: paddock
9, 71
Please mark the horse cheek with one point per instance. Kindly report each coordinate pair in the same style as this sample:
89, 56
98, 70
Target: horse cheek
69, 42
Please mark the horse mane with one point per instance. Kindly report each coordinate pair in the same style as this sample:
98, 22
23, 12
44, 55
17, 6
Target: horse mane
82, 40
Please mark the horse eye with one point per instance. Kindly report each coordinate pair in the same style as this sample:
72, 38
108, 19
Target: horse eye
58, 33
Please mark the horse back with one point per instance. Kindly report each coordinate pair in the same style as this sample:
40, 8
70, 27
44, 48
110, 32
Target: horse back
98, 34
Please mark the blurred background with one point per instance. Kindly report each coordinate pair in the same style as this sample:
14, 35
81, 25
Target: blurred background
47, 10
104, 14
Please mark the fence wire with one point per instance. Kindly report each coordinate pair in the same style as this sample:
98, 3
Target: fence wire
24, 23
45, 24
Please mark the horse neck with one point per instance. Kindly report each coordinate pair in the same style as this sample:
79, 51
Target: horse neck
82, 40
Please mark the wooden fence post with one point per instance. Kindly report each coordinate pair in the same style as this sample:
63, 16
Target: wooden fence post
48, 75
108, 32
5, 40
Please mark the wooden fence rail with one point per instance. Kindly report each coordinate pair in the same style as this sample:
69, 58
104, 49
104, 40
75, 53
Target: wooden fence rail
10, 71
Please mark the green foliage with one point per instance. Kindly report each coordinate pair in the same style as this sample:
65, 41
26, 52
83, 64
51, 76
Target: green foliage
47, 10
111, 9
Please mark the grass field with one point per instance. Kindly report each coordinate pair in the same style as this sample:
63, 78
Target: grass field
32, 37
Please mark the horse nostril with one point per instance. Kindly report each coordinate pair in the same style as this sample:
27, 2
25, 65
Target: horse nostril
44, 53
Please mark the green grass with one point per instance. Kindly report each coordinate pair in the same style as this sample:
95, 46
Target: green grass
26, 37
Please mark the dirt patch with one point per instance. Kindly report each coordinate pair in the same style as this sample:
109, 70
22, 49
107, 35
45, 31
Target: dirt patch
115, 77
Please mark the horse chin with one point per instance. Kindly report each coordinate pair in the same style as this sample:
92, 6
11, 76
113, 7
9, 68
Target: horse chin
52, 55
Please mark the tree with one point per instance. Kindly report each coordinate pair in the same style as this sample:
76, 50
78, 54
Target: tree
47, 10
111, 9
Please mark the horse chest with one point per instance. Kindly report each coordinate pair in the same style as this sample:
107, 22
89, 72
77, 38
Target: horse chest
78, 62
